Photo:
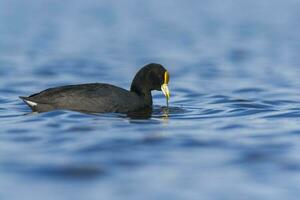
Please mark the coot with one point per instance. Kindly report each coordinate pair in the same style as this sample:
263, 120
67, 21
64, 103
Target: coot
102, 97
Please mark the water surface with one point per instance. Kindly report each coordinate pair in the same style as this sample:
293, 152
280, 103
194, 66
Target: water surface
233, 127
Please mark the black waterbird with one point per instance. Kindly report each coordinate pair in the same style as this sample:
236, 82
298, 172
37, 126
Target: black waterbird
102, 97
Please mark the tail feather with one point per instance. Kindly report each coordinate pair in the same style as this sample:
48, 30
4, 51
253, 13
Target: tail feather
29, 102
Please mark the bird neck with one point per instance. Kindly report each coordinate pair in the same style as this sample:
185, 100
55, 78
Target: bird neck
143, 93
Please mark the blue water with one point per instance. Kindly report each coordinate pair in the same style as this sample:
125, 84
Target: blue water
233, 127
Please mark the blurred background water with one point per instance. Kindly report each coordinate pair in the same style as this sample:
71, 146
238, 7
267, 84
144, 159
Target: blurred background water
233, 130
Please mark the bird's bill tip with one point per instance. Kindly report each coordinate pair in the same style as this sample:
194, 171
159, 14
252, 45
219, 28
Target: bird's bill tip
166, 92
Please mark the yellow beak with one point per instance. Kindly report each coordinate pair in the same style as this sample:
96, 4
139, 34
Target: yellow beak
165, 90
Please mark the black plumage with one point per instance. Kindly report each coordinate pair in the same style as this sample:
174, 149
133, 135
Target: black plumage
102, 97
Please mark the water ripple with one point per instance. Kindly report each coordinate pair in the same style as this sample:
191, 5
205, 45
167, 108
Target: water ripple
232, 128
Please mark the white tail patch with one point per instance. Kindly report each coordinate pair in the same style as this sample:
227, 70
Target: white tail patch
31, 103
